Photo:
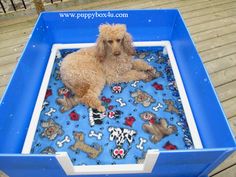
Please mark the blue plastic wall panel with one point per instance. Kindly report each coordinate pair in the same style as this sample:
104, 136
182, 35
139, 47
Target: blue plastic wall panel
155, 26
209, 116
18, 102
181, 163
169, 164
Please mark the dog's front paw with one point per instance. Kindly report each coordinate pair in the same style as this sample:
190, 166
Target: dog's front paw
152, 74
143, 76
151, 70
101, 108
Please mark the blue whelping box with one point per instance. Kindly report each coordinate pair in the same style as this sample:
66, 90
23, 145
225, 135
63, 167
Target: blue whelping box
212, 138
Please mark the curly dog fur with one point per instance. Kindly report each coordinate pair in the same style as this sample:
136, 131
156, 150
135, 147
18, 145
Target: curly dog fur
86, 71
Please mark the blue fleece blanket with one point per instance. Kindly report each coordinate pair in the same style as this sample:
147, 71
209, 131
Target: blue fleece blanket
139, 116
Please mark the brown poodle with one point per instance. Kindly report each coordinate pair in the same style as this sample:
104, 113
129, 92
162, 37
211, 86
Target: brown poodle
86, 71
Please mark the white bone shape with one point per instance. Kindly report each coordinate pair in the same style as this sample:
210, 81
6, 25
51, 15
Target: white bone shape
157, 107
62, 142
98, 135
165, 51
49, 113
135, 84
45, 103
141, 143
58, 55
150, 59
120, 101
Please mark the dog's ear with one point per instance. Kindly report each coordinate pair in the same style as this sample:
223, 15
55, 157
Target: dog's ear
127, 43
100, 50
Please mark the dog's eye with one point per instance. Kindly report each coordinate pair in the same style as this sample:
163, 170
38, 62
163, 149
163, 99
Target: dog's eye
110, 41
118, 40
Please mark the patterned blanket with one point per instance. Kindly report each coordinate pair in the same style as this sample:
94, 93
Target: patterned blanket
139, 116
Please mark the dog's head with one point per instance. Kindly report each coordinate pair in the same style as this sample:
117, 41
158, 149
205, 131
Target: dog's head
113, 39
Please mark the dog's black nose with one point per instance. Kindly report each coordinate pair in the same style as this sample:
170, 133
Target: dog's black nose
117, 53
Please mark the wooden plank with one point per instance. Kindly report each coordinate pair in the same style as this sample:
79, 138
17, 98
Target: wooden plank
4, 79
11, 50
221, 63
226, 91
232, 122
2, 89
211, 8
224, 76
191, 6
218, 52
132, 4
205, 5
230, 172
164, 4
216, 42
184, 4
213, 33
7, 69
230, 107
18, 26
16, 20
9, 59
17, 40
212, 24
90, 5
213, 16
96, 5
14, 34
128, 5
227, 163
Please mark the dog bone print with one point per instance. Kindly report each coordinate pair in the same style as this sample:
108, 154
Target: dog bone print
165, 51
45, 103
141, 142
58, 55
65, 140
120, 101
135, 84
150, 59
98, 135
157, 107
49, 113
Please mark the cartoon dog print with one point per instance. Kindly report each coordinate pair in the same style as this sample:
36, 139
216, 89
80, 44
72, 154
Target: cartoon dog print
143, 98
171, 107
148, 116
48, 150
120, 135
153, 74
68, 101
81, 145
159, 130
51, 129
